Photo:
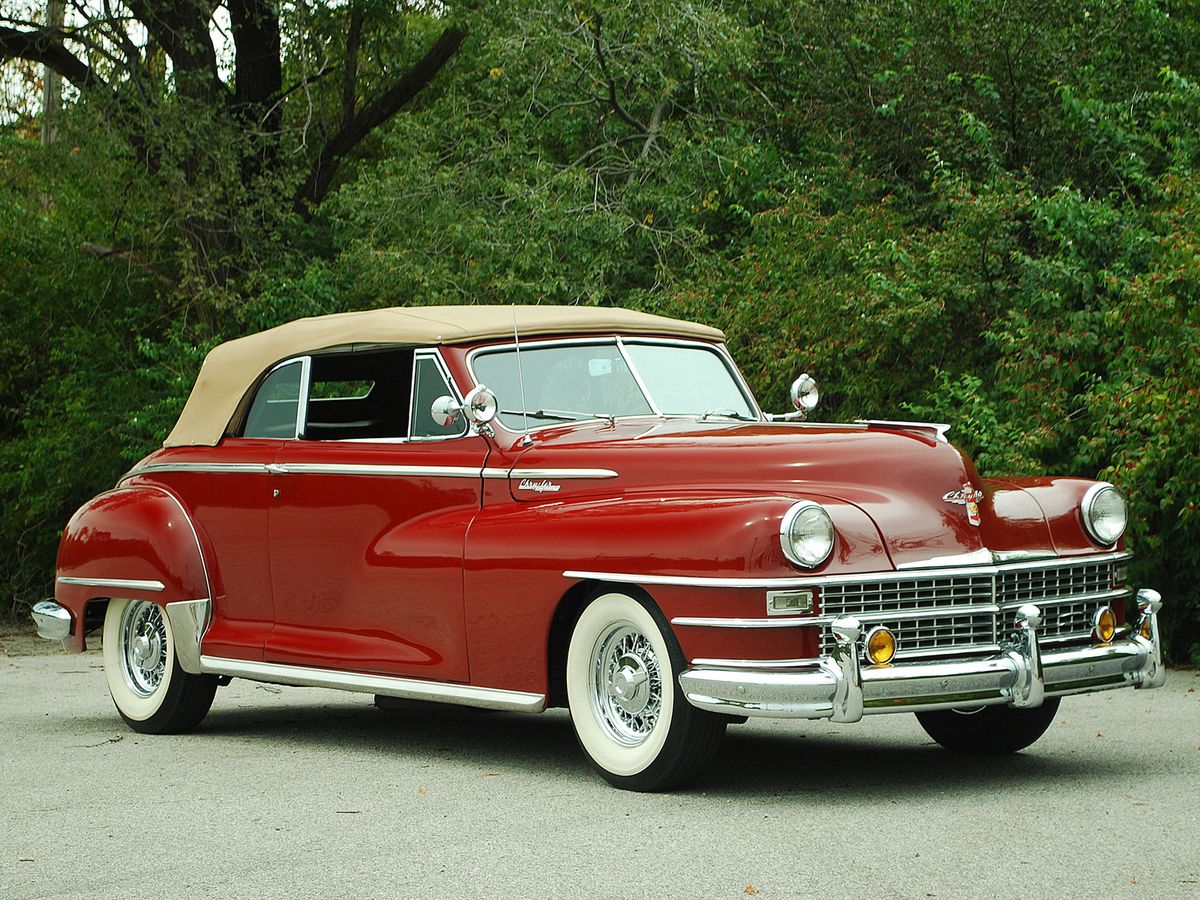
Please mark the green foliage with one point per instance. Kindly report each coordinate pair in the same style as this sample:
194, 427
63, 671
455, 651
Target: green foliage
982, 213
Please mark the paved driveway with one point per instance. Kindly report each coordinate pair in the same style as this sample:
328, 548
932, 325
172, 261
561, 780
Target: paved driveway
295, 792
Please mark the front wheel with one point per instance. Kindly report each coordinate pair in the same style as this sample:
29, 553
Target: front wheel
151, 692
989, 729
629, 712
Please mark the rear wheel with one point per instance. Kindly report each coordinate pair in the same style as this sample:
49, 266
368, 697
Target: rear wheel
629, 713
989, 729
151, 692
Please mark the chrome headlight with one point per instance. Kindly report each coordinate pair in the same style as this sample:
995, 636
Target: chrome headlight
1104, 513
806, 534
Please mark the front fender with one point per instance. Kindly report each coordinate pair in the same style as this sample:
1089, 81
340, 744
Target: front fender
523, 550
132, 542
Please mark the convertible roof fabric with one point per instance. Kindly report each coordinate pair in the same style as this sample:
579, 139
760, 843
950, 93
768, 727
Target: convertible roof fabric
231, 369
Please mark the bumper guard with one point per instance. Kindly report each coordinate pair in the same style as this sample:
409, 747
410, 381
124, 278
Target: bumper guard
1022, 674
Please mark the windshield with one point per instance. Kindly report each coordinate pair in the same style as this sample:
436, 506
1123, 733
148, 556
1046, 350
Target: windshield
566, 382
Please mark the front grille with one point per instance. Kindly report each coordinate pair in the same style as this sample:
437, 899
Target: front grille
934, 614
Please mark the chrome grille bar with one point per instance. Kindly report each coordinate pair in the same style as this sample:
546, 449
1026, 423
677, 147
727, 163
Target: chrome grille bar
944, 612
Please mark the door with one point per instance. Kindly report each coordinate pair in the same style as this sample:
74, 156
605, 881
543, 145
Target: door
368, 518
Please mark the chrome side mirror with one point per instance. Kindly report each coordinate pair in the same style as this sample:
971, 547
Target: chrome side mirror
479, 406
804, 396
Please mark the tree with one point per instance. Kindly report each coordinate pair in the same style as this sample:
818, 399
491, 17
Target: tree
206, 113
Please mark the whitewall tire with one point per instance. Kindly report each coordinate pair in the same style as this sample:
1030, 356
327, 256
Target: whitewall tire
151, 692
629, 713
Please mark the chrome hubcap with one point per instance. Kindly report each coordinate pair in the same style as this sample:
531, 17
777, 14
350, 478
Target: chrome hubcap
143, 647
625, 684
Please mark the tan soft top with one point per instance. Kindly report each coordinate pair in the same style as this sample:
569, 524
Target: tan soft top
231, 369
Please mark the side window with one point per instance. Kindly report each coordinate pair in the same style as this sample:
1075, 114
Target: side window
276, 405
362, 395
428, 384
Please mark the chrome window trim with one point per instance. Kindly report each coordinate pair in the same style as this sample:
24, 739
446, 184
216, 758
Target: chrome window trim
305, 387
435, 354
718, 348
301, 401
637, 377
128, 584
389, 685
855, 578
721, 350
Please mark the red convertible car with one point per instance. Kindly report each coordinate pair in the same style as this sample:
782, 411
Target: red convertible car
520, 508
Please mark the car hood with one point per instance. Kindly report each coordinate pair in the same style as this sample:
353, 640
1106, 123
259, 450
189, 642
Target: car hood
915, 488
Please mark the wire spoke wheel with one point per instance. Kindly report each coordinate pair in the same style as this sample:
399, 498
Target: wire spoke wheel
143, 647
630, 715
626, 684
153, 694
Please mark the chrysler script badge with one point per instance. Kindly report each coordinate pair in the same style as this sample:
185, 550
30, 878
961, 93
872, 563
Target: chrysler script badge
969, 497
542, 487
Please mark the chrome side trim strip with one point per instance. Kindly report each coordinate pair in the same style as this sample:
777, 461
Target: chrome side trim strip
388, 685
535, 474
129, 584
210, 468
811, 663
713, 622
365, 469
189, 619
410, 471
856, 578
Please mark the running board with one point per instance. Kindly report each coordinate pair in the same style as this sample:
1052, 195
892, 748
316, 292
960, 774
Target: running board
387, 685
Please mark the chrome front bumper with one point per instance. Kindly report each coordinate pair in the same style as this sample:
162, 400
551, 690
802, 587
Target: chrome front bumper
836, 687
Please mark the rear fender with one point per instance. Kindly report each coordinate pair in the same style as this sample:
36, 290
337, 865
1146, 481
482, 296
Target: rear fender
134, 543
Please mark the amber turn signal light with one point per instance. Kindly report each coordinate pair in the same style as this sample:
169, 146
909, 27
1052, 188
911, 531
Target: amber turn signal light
880, 645
1105, 625
1146, 630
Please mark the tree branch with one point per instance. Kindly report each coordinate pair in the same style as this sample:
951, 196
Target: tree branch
612, 87
181, 29
45, 46
371, 116
350, 75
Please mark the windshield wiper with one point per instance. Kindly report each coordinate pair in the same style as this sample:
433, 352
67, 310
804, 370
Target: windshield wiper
561, 415
727, 413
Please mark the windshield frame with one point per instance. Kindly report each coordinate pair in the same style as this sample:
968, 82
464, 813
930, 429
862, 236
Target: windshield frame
621, 341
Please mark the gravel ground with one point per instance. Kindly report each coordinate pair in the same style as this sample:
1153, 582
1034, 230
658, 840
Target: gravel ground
295, 792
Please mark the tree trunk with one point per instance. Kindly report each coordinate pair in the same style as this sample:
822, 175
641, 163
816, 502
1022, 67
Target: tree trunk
56, 14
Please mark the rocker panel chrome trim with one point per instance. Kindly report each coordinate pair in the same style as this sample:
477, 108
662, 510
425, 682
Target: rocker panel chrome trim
388, 685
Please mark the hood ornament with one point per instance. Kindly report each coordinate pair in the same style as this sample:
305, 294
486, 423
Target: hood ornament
969, 496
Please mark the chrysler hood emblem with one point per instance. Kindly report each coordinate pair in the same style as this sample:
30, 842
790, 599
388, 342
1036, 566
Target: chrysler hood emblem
969, 496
